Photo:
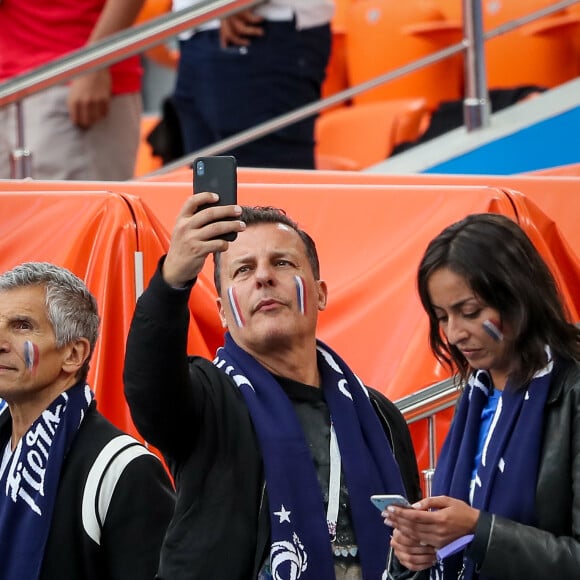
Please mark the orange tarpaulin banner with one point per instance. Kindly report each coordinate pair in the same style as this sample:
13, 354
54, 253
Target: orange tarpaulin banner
370, 239
105, 239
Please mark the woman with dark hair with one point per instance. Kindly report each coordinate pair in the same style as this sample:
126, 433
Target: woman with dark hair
506, 489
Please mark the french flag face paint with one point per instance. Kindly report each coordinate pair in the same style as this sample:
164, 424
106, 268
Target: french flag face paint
300, 295
30, 355
492, 328
233, 300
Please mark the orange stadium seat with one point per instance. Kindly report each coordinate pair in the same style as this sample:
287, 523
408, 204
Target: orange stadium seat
161, 54
335, 162
574, 10
146, 162
367, 133
383, 35
541, 53
336, 72
544, 52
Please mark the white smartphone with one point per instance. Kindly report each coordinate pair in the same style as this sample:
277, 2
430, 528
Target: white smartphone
381, 502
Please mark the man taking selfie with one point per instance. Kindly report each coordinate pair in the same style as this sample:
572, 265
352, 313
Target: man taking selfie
276, 446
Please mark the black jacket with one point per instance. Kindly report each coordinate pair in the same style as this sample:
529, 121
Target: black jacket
196, 416
507, 550
131, 533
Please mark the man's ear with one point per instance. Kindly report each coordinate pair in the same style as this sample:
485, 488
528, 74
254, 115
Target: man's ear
322, 294
76, 354
221, 312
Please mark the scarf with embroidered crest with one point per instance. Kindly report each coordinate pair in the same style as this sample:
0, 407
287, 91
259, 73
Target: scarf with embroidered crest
300, 542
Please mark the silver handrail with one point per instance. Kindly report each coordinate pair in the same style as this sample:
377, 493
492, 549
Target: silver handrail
139, 38
432, 399
106, 52
281, 121
424, 405
116, 47
301, 113
476, 106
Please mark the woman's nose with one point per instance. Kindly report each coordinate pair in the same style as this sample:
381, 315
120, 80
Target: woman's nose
456, 330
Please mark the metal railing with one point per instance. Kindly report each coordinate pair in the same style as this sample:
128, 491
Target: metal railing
117, 47
424, 405
139, 38
100, 54
476, 106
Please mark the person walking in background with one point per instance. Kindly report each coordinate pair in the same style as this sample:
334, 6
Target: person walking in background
86, 129
79, 499
277, 446
506, 486
249, 68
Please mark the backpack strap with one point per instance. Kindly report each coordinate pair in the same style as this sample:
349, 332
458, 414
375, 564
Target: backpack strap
102, 480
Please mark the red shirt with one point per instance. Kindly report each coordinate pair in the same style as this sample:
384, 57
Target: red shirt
34, 32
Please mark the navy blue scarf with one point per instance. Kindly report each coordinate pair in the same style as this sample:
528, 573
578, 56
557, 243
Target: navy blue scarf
29, 484
508, 471
300, 542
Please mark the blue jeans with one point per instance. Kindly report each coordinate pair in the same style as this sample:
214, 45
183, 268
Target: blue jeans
220, 92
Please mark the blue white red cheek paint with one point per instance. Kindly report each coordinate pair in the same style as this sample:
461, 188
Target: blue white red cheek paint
30, 355
300, 295
492, 328
235, 307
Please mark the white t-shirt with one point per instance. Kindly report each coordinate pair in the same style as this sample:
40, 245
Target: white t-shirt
309, 13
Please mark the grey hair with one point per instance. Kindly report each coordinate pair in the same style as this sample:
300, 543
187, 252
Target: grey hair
71, 308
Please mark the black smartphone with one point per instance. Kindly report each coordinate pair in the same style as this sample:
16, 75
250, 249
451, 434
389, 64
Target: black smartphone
218, 174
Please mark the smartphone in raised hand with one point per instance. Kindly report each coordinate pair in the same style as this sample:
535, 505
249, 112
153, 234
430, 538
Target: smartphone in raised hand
218, 174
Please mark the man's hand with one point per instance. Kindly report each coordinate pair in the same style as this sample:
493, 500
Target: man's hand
238, 29
192, 238
89, 97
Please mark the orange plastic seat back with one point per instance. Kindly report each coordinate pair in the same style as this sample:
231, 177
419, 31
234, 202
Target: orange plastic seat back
336, 71
146, 162
574, 11
541, 53
383, 35
452, 9
326, 161
544, 53
367, 133
336, 79
161, 54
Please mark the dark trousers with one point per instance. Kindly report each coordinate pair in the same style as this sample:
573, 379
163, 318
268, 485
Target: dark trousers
220, 92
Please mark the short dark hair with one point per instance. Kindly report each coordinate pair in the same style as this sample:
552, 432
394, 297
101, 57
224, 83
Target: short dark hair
504, 269
271, 215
